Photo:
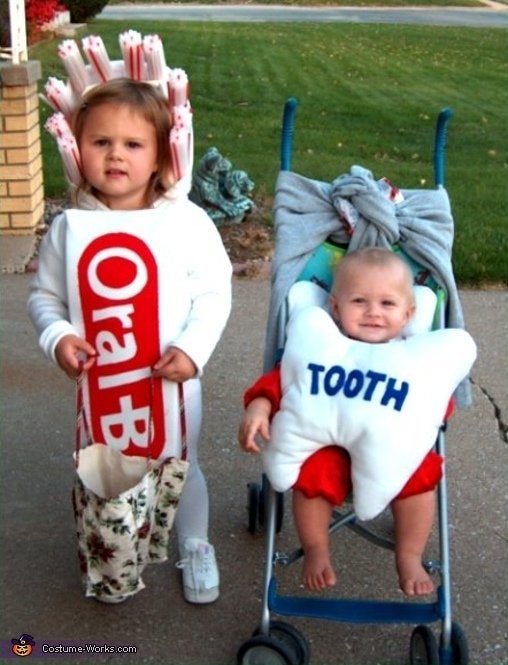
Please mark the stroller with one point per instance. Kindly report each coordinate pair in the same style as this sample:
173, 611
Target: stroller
276, 642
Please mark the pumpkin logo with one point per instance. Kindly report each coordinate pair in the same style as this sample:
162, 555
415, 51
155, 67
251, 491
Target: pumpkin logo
23, 646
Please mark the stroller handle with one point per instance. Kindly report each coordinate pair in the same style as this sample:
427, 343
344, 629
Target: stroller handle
440, 146
288, 123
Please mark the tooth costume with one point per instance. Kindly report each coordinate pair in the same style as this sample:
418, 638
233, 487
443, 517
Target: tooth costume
382, 403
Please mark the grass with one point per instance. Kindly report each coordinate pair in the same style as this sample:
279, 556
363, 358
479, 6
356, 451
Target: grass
368, 94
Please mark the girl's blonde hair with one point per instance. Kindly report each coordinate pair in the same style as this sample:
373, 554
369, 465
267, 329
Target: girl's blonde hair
149, 102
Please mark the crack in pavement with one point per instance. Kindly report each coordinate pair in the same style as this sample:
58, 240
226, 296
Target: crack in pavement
502, 426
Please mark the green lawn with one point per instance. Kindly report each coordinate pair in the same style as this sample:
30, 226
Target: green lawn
368, 94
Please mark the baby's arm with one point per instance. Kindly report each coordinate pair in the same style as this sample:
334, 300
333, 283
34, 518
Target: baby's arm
256, 420
261, 402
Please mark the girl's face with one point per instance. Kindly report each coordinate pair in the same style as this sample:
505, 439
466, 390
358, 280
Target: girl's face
372, 303
118, 156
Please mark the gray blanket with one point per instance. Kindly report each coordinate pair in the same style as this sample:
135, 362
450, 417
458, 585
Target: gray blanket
306, 214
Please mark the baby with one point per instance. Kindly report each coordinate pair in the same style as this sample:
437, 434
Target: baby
371, 301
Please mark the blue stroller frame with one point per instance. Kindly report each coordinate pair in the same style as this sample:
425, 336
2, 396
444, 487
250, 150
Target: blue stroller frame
275, 642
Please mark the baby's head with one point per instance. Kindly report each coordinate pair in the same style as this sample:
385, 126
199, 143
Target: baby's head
372, 295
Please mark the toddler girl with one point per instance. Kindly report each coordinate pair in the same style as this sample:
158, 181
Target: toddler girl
122, 131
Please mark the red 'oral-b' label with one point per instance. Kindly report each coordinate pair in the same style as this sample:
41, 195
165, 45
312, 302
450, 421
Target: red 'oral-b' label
118, 290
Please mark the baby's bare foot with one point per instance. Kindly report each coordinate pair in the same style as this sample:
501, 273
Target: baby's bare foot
317, 570
413, 578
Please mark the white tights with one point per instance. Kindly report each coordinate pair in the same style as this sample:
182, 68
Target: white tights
192, 514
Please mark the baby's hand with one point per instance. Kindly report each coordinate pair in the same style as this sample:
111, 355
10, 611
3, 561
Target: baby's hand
255, 421
74, 354
175, 365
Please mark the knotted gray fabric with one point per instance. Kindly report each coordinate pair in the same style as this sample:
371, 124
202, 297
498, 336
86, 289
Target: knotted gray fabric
306, 213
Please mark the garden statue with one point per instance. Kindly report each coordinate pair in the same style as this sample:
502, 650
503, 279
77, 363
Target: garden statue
221, 190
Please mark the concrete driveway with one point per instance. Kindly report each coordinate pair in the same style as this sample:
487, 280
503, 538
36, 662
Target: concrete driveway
40, 591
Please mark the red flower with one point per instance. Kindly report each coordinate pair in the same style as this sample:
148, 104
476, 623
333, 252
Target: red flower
144, 530
39, 12
98, 548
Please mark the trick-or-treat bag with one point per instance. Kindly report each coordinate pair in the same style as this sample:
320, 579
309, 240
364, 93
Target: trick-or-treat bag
124, 507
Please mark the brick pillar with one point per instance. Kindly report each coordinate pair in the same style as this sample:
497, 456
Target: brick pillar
21, 183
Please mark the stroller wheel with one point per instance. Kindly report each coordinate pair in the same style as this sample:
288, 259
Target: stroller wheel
253, 494
423, 647
292, 637
265, 650
460, 651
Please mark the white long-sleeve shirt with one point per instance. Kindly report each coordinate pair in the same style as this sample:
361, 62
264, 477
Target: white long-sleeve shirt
197, 266
191, 307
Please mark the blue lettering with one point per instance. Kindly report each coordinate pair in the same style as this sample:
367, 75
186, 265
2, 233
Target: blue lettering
315, 369
397, 394
354, 383
357, 384
333, 387
375, 378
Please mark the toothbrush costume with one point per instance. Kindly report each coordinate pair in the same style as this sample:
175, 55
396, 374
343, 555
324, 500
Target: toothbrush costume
143, 60
128, 263
134, 282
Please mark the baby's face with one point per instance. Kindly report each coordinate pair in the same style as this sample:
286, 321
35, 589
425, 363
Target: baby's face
372, 303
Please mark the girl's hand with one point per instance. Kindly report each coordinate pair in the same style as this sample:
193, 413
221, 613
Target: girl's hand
255, 421
175, 365
74, 354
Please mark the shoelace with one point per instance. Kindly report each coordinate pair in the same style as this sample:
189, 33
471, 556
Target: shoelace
205, 561
183, 563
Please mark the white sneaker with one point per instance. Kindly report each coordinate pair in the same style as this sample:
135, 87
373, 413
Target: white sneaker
199, 571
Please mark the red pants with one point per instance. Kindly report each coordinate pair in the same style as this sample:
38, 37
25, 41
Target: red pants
327, 473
